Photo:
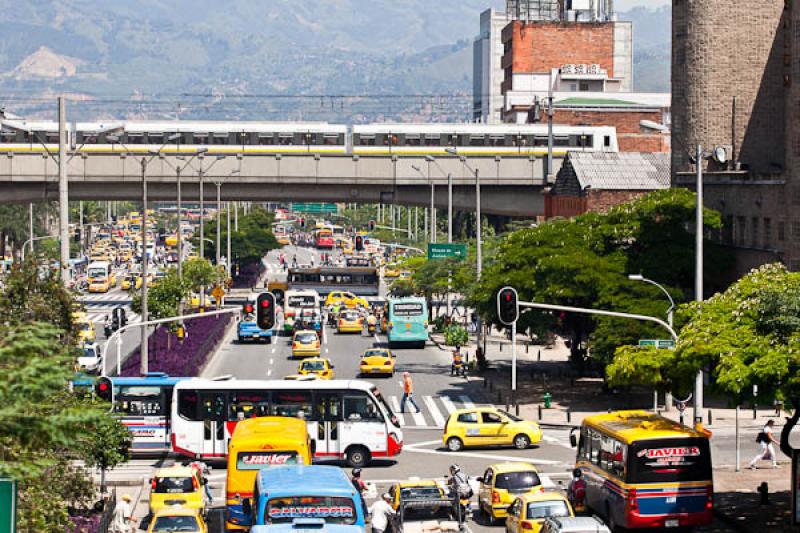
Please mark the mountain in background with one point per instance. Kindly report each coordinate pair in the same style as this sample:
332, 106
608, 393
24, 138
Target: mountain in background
269, 59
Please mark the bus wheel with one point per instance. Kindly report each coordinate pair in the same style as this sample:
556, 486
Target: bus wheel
454, 444
612, 524
356, 457
521, 442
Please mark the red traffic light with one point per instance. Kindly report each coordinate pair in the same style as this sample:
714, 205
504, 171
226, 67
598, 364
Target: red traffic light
265, 303
248, 308
102, 387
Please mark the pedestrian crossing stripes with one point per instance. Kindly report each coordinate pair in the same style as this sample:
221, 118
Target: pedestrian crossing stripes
100, 317
434, 410
89, 299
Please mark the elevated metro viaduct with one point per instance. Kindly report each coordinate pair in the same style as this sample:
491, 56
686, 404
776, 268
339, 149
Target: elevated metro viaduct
510, 185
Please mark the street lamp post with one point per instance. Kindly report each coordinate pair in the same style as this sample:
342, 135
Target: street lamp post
219, 223
670, 311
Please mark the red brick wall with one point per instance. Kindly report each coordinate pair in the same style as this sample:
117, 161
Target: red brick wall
630, 134
602, 201
564, 206
538, 47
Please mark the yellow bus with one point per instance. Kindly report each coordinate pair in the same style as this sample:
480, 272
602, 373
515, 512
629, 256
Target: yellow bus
644, 471
259, 443
101, 276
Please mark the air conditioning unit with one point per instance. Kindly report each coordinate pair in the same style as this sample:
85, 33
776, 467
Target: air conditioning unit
569, 68
594, 69
580, 69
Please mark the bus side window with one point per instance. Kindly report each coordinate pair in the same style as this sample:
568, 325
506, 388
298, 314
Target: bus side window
360, 407
606, 453
618, 459
582, 445
187, 404
595, 449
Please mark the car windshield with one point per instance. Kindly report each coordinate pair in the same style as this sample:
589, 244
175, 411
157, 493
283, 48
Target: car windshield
173, 485
350, 316
510, 416
373, 353
546, 509
517, 480
305, 338
314, 365
176, 523
84, 326
90, 352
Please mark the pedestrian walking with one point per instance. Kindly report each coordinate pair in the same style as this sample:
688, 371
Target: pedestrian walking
122, 519
767, 442
408, 393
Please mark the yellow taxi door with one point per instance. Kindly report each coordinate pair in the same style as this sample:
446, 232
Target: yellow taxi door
493, 428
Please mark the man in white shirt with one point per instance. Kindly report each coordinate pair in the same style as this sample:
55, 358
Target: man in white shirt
122, 519
381, 511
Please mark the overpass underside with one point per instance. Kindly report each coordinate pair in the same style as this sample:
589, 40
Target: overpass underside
510, 186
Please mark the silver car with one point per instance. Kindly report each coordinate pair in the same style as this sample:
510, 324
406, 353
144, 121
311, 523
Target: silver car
574, 524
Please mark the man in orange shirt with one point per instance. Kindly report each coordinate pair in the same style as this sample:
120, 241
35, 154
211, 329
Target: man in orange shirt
408, 393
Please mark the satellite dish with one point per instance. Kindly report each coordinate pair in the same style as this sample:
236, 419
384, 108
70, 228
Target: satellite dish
720, 155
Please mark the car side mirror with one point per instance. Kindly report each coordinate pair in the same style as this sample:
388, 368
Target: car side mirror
573, 440
313, 447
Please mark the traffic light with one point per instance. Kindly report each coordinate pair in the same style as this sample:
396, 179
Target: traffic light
104, 389
265, 310
359, 243
507, 306
302, 222
372, 225
248, 309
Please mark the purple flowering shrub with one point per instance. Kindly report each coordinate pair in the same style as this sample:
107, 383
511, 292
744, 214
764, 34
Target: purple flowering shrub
203, 334
87, 522
248, 275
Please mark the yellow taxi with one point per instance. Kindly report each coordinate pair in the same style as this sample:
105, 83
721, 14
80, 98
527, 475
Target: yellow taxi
177, 518
488, 426
299, 377
347, 299
305, 343
322, 368
502, 483
391, 271
131, 282
177, 485
350, 322
377, 361
171, 240
528, 512
283, 239
86, 331
418, 490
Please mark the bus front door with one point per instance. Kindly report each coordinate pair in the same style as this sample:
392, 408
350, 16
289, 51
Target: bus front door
213, 414
329, 416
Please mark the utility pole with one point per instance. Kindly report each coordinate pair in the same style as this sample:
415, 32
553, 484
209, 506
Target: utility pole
549, 174
63, 190
80, 228
449, 208
698, 275
143, 367
202, 213
228, 254
180, 220
30, 225
478, 249
219, 222
433, 204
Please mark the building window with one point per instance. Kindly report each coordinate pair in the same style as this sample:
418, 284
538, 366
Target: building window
781, 231
754, 232
584, 86
767, 232
796, 230
741, 226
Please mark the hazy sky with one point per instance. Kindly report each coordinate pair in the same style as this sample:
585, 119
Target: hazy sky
623, 5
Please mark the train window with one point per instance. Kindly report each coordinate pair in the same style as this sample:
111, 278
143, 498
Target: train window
607, 141
155, 138
220, 138
366, 140
187, 138
265, 139
286, 139
330, 139
497, 140
50, 138
561, 141
540, 140
87, 138
172, 137
201, 138
448, 139
135, 138
477, 140
587, 141
433, 139
462, 140
413, 139
390, 138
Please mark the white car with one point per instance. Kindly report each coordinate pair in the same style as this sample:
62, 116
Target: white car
91, 361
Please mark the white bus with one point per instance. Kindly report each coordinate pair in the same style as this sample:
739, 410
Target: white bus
101, 276
297, 300
346, 419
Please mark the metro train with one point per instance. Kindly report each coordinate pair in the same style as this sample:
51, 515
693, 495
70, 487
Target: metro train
221, 137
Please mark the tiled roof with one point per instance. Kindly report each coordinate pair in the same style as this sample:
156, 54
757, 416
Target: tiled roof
621, 171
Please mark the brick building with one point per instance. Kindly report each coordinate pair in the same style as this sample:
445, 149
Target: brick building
736, 84
597, 182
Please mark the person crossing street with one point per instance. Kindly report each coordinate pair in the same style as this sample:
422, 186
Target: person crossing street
408, 393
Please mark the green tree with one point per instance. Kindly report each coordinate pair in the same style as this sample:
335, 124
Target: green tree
584, 262
248, 245
108, 446
199, 273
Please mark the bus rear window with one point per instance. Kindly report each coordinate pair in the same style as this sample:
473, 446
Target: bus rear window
669, 460
332, 510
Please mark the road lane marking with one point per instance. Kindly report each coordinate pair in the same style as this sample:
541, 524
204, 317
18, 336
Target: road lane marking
448, 404
559, 442
415, 448
271, 360
434, 411
419, 419
269, 372
396, 409
467, 402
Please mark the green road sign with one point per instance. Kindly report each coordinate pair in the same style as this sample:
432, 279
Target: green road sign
317, 208
658, 343
443, 251
8, 506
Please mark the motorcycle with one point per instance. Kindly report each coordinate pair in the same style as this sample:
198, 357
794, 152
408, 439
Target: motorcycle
459, 369
576, 492
108, 330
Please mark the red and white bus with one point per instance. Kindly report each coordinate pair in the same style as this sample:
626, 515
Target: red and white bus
323, 239
347, 419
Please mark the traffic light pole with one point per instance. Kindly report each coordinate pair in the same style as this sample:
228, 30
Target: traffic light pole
118, 334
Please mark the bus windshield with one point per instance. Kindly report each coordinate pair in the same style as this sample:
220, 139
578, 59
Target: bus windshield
407, 309
669, 460
333, 510
306, 300
97, 272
